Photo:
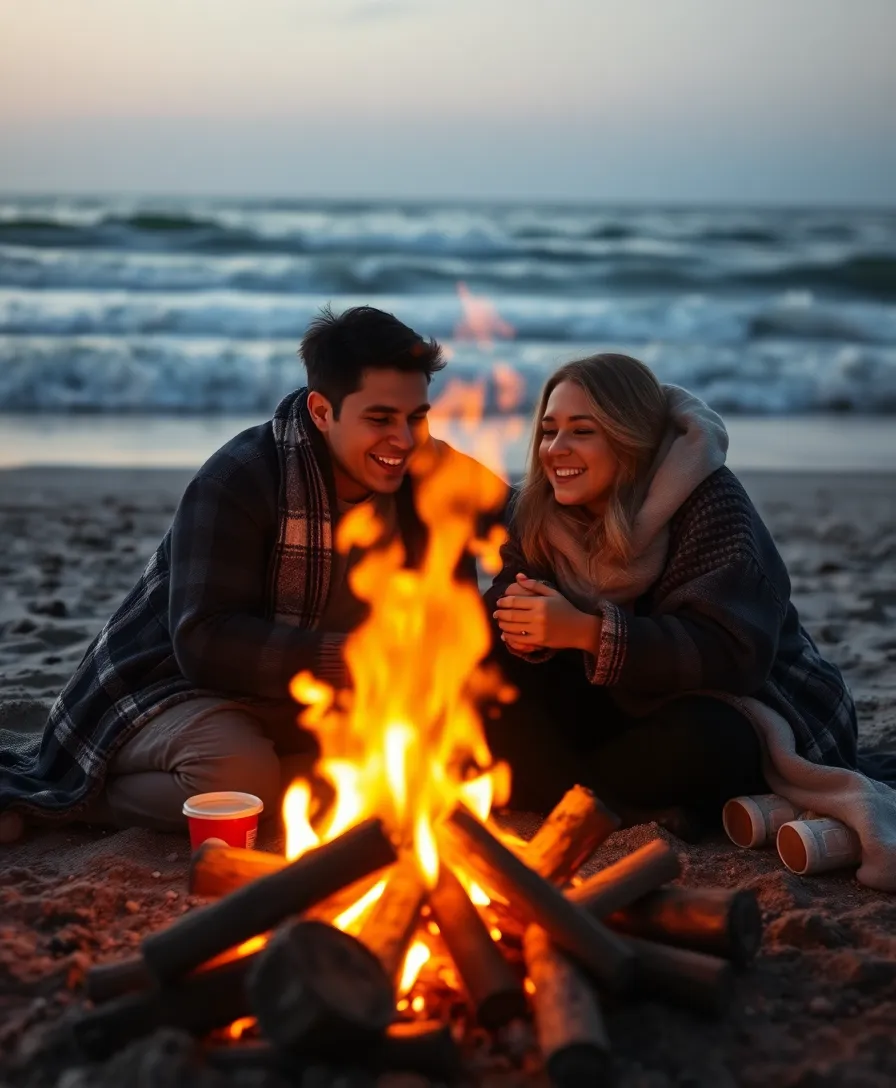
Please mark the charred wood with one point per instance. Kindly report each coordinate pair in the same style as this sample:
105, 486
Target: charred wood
494, 991
263, 904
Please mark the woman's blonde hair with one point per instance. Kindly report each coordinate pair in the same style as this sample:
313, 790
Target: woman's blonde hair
630, 408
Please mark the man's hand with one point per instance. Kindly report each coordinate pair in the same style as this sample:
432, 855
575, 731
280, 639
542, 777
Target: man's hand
532, 615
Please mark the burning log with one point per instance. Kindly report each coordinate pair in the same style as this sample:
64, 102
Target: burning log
389, 927
217, 870
261, 905
207, 1000
571, 1031
569, 836
717, 921
106, 981
494, 992
420, 1046
626, 881
692, 978
500, 870
314, 984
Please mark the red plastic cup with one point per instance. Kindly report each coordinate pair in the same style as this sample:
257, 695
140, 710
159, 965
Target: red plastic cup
226, 817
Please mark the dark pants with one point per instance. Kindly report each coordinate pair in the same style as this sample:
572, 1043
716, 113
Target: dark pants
695, 752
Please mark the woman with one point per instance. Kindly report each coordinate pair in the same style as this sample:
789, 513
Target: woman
640, 595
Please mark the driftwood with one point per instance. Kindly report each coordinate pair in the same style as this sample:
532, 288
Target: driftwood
313, 985
571, 1032
467, 842
206, 1000
569, 836
261, 905
626, 881
690, 978
493, 989
388, 929
718, 921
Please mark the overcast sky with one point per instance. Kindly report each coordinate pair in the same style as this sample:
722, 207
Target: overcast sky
752, 101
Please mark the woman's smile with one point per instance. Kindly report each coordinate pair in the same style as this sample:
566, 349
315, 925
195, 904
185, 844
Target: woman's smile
567, 473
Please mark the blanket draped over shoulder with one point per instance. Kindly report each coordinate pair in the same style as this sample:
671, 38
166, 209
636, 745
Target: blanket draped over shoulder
130, 672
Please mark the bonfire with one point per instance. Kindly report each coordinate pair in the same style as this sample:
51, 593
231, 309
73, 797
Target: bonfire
404, 920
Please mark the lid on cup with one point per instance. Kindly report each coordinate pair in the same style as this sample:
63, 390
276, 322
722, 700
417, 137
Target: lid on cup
223, 805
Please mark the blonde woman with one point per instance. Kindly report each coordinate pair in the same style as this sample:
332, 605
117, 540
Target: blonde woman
640, 592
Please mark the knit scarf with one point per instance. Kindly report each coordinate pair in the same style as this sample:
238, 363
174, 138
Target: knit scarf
301, 569
693, 447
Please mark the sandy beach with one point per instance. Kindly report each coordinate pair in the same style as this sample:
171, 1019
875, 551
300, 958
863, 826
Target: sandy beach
817, 1008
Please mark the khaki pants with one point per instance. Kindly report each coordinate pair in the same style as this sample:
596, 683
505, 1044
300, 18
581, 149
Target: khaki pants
198, 746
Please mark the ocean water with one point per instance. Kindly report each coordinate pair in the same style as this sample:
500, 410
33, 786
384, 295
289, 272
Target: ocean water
196, 306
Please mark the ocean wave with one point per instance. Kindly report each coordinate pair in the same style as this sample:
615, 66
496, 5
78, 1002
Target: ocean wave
379, 267
157, 375
682, 318
537, 249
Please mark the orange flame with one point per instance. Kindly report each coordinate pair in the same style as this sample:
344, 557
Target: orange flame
300, 837
417, 955
238, 1028
481, 321
407, 744
351, 918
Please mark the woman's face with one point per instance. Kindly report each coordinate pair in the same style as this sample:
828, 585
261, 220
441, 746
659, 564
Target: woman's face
576, 455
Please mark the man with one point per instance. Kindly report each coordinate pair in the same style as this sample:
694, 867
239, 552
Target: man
185, 690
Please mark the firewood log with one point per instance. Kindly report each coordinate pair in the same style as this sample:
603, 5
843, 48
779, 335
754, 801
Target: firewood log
206, 1000
718, 921
571, 1032
263, 904
217, 870
106, 981
569, 836
388, 929
691, 978
468, 843
418, 1046
313, 985
627, 880
494, 992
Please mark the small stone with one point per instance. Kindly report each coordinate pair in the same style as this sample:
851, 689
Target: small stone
821, 1006
131, 907
171, 895
156, 875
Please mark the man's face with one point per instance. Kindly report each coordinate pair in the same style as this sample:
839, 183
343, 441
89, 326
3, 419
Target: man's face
379, 429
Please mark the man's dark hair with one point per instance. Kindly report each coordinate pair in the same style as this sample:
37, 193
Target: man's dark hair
336, 349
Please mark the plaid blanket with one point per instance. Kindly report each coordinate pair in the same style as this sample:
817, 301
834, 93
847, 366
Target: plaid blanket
228, 603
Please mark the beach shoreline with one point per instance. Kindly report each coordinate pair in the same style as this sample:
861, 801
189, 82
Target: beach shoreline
832, 443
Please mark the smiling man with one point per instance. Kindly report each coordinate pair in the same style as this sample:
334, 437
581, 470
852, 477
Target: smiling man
185, 690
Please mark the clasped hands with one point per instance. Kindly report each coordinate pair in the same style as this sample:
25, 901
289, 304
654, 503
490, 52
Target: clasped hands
533, 616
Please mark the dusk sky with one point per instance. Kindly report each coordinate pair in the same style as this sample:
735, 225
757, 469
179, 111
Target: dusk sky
786, 101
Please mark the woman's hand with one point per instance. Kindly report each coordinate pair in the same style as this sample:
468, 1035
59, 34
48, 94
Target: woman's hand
516, 589
532, 615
